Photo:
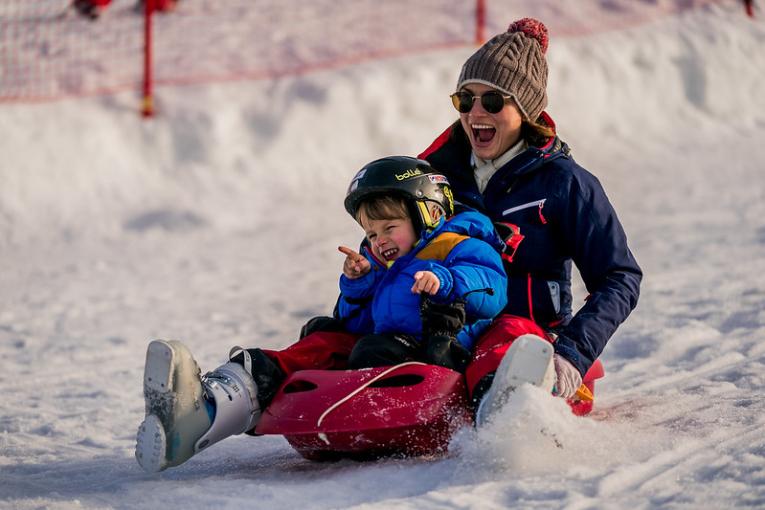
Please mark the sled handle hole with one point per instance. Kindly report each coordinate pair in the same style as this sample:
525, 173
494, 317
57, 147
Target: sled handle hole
398, 381
299, 387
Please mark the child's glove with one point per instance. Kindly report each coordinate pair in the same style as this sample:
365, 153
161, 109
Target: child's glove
445, 319
440, 324
321, 323
568, 378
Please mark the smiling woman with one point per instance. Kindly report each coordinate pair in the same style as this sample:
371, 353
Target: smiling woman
494, 129
509, 76
504, 159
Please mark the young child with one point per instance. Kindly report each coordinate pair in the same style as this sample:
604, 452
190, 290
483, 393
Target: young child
415, 246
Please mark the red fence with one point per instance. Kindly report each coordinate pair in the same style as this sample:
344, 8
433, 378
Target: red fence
49, 51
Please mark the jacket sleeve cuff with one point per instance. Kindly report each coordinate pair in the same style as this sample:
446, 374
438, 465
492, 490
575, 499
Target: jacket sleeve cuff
358, 287
446, 281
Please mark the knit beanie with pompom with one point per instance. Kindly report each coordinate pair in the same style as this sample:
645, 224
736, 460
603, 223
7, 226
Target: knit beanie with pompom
514, 63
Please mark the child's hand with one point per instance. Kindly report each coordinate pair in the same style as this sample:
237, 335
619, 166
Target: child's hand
355, 265
426, 281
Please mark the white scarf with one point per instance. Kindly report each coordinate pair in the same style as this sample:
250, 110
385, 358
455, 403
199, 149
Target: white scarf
483, 170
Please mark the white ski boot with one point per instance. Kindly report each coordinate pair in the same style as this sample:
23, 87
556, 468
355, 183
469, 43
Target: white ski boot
528, 360
186, 413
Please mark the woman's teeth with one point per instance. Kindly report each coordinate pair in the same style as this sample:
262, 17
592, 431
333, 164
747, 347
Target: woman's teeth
483, 132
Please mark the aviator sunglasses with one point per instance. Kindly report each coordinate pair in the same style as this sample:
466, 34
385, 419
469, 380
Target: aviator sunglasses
491, 101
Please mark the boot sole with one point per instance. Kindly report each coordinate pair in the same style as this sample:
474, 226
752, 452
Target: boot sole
158, 371
527, 361
151, 445
151, 439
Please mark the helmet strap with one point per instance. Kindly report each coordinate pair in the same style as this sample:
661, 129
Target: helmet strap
427, 219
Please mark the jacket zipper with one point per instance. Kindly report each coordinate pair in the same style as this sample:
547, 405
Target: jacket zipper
536, 203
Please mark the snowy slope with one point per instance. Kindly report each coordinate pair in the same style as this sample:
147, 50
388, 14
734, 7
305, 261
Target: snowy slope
217, 222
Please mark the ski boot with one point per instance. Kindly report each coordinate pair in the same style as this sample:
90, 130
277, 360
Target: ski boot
528, 360
186, 413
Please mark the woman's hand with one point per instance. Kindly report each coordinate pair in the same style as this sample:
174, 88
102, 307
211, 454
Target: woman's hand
427, 282
355, 265
568, 379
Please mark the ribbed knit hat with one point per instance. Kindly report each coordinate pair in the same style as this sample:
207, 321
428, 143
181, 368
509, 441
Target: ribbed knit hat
513, 62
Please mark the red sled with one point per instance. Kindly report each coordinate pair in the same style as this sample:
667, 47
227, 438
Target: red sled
410, 409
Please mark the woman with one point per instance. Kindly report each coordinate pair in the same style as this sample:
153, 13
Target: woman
504, 159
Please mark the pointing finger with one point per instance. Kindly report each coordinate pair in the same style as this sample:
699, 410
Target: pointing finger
349, 253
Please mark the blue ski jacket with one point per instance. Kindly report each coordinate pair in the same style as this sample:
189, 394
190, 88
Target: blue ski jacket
463, 252
551, 211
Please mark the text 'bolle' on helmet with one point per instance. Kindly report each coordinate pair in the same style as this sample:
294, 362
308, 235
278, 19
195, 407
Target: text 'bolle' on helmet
412, 179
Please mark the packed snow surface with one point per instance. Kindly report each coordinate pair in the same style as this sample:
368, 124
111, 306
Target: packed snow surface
217, 224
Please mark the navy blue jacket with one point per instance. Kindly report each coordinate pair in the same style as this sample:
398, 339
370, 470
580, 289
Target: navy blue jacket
462, 252
559, 213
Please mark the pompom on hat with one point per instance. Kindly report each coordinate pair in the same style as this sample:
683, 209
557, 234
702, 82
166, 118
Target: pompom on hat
514, 63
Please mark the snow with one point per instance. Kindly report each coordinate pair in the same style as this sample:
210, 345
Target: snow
217, 223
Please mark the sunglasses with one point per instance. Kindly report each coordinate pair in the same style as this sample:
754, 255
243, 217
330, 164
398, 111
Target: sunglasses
492, 101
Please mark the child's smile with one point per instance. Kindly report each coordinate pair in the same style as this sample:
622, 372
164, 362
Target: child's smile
389, 254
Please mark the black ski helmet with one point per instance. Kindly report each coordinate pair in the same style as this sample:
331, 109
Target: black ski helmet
412, 179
